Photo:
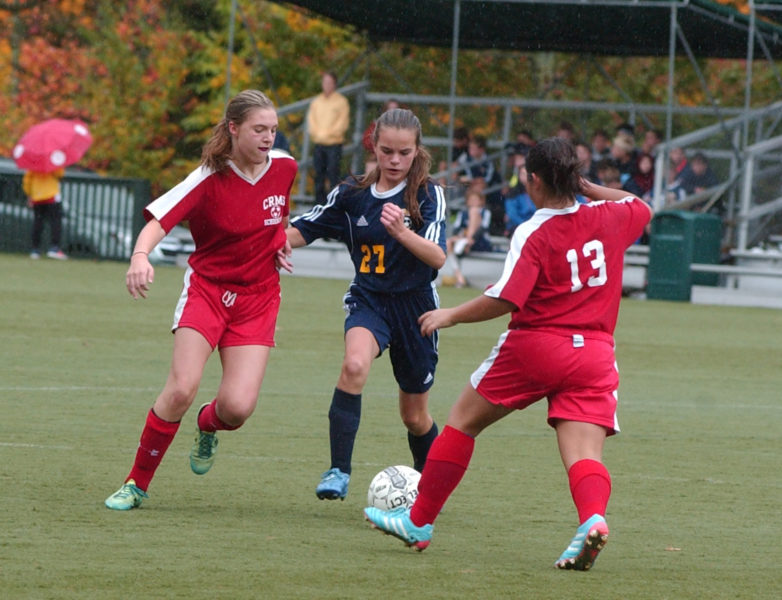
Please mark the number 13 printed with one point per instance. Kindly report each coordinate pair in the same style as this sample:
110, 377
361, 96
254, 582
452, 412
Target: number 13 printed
598, 263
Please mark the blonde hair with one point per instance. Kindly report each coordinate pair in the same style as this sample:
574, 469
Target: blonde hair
418, 175
217, 149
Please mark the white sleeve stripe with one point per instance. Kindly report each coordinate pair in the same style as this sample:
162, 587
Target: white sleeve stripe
161, 206
520, 236
317, 210
432, 232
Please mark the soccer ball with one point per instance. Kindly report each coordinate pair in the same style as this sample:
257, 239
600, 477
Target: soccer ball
393, 487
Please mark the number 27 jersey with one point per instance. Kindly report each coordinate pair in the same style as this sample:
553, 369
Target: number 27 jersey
564, 267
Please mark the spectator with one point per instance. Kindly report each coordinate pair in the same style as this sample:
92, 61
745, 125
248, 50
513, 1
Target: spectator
696, 177
566, 131
480, 171
608, 174
588, 167
43, 196
601, 145
328, 119
525, 139
643, 180
652, 139
622, 151
470, 232
458, 156
281, 142
678, 162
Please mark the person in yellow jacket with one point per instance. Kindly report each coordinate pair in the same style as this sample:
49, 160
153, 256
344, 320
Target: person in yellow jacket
328, 119
43, 195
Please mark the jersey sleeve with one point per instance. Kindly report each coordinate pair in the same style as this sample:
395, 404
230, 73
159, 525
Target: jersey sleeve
176, 204
433, 213
634, 213
324, 220
520, 272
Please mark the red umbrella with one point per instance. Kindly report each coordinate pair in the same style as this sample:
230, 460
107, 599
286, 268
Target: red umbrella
52, 144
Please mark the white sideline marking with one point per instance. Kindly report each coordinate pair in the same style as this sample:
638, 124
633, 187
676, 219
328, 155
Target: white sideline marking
73, 388
40, 446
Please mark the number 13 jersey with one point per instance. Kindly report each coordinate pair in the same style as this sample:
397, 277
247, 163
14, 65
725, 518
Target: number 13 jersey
564, 267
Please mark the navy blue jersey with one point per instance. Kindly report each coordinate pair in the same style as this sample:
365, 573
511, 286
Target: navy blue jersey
383, 265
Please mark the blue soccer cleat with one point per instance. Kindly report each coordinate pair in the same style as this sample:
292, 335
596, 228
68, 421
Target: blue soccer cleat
589, 540
333, 485
397, 523
127, 497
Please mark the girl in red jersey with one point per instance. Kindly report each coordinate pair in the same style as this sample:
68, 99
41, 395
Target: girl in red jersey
562, 284
237, 204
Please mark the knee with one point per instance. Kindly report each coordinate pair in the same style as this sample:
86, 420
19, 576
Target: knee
354, 369
417, 422
179, 396
235, 414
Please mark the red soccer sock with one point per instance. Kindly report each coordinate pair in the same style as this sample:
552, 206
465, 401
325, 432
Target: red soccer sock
445, 466
590, 486
209, 421
155, 440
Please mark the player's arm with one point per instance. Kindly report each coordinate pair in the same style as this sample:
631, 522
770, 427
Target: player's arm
393, 219
594, 191
141, 273
482, 308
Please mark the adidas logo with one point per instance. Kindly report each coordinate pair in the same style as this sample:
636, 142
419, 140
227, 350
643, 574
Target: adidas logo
428, 378
362, 221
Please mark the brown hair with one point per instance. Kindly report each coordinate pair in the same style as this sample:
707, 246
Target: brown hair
555, 161
217, 149
418, 175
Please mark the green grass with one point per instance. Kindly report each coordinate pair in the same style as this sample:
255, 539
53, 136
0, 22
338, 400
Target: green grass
695, 511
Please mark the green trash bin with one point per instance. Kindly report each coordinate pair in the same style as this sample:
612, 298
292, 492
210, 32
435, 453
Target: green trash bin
679, 238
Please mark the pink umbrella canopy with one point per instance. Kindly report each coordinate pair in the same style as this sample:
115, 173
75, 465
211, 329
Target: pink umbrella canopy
52, 144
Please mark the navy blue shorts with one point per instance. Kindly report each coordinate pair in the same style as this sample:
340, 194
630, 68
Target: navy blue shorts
393, 320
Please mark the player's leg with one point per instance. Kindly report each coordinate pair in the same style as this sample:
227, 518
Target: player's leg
361, 348
583, 417
581, 447
421, 428
191, 351
446, 464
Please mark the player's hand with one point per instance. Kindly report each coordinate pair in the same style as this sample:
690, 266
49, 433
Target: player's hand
140, 275
393, 219
281, 260
435, 319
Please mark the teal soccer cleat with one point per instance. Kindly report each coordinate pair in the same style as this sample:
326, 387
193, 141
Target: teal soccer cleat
333, 485
127, 497
397, 523
589, 540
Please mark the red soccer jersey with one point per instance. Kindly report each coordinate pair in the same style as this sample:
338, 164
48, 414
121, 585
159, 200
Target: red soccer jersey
564, 267
236, 222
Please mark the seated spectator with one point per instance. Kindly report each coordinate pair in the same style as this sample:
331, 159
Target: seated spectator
678, 162
525, 139
480, 171
622, 151
643, 179
588, 167
696, 177
601, 145
652, 139
470, 232
566, 131
515, 183
518, 205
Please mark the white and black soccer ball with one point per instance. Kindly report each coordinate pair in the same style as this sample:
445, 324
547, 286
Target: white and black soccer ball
393, 487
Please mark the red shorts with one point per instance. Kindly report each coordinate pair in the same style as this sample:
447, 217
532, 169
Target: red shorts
227, 318
577, 373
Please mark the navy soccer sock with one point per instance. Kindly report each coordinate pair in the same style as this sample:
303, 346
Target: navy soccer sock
344, 417
419, 446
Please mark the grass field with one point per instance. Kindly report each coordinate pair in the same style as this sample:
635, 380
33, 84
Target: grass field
695, 511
